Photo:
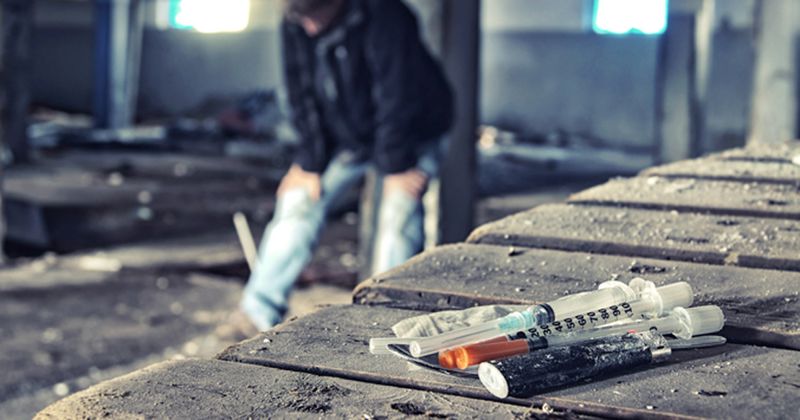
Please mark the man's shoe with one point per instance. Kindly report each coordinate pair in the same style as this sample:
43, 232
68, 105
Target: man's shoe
236, 328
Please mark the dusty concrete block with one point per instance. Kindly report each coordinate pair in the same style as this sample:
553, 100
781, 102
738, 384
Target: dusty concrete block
710, 239
698, 196
195, 389
732, 381
761, 306
777, 171
759, 152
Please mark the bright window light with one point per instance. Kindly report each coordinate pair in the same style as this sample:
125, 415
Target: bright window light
630, 16
210, 16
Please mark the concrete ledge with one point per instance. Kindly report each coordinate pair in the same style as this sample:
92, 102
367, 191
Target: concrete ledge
749, 199
194, 389
711, 239
775, 171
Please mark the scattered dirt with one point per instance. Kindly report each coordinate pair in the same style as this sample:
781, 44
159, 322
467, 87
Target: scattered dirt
416, 409
646, 269
51, 337
705, 393
312, 397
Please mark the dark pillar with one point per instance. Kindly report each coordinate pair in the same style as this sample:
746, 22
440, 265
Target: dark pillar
118, 37
17, 20
460, 53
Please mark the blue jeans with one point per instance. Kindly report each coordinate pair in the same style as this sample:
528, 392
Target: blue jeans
291, 237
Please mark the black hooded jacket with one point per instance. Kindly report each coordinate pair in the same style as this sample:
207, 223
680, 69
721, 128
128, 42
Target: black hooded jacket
367, 84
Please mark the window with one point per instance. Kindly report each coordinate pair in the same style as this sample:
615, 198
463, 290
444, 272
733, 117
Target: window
630, 16
209, 16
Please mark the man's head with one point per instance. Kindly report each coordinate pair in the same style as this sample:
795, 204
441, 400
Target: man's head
313, 15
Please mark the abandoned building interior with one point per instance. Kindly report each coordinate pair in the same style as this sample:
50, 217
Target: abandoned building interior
399, 208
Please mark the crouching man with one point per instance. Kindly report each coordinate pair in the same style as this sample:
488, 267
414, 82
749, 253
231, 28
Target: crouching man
364, 91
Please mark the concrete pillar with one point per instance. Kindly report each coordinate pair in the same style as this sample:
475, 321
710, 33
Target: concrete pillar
724, 73
15, 38
705, 26
17, 22
676, 90
774, 112
118, 38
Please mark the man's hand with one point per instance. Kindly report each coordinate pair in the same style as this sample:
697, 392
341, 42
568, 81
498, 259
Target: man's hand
299, 178
412, 182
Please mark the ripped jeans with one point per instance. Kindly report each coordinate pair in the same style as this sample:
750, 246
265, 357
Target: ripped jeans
291, 237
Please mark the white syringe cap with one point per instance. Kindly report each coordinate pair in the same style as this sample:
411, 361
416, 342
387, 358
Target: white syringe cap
700, 320
706, 319
674, 295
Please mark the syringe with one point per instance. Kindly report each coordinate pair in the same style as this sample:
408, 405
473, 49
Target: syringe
652, 302
643, 296
681, 323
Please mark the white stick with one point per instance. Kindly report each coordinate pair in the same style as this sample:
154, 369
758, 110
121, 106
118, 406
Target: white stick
245, 239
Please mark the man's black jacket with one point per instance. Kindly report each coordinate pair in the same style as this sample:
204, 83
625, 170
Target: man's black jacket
366, 84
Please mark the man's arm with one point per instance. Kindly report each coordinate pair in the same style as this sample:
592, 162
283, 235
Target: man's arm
309, 161
392, 44
310, 156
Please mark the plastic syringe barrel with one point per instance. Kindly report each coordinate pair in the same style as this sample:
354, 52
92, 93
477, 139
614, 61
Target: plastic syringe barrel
681, 322
621, 312
609, 293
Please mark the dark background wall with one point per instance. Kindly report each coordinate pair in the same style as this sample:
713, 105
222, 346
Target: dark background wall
730, 83
183, 69
541, 72
598, 86
62, 68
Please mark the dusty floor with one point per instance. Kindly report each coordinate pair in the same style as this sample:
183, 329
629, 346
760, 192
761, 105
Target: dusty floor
59, 336
69, 322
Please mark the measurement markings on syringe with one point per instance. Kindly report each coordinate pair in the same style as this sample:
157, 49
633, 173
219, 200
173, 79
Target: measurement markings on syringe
578, 322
